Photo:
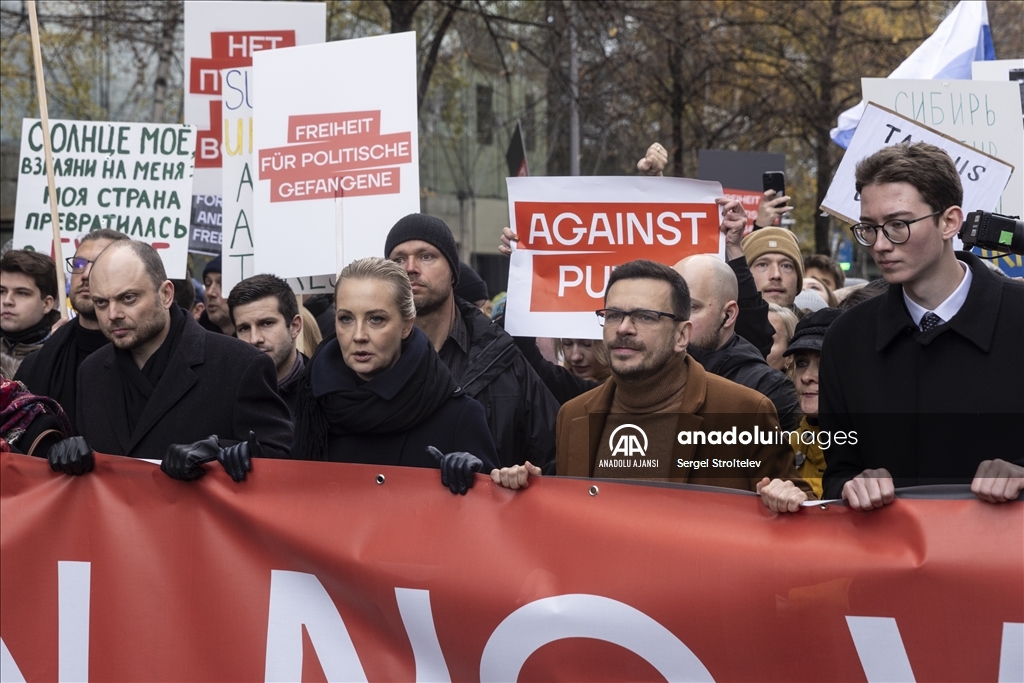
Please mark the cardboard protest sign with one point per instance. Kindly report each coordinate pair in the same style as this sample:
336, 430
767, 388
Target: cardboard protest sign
983, 176
569, 243
336, 151
132, 177
985, 115
225, 35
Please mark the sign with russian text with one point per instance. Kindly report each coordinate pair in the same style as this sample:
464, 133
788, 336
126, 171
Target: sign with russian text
324, 571
985, 115
573, 231
135, 178
337, 156
225, 35
983, 176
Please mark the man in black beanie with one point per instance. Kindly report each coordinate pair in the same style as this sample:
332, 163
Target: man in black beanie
216, 317
482, 358
471, 287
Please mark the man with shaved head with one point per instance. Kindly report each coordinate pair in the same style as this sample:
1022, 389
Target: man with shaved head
164, 381
715, 344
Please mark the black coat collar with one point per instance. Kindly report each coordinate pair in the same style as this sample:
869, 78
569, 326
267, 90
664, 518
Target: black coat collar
975, 321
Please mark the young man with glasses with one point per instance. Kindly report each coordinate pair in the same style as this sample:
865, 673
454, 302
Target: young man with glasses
657, 415
930, 375
53, 371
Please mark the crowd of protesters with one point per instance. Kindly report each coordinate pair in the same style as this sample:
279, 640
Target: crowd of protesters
407, 364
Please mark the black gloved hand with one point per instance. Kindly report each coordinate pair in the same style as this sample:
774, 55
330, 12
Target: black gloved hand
182, 461
235, 459
457, 469
71, 456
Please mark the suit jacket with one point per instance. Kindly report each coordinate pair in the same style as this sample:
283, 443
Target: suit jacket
214, 384
710, 403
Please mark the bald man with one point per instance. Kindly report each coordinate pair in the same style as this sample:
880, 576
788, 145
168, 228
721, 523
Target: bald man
164, 381
715, 344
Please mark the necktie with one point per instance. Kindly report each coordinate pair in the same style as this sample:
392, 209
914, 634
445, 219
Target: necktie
930, 321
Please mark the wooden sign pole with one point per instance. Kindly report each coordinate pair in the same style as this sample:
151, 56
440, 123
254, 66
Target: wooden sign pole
58, 252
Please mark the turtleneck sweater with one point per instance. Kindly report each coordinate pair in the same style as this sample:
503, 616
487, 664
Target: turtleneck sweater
651, 404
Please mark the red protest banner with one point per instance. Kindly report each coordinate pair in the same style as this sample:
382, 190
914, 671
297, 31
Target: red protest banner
313, 571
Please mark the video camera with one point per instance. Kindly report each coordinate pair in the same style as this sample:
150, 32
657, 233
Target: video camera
993, 231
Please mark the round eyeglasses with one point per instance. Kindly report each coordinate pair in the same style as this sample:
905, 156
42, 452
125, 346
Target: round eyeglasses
896, 231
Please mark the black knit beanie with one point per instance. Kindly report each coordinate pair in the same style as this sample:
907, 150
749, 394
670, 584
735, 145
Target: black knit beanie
212, 267
429, 229
471, 287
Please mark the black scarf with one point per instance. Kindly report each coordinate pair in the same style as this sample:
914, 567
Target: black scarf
333, 400
138, 385
34, 334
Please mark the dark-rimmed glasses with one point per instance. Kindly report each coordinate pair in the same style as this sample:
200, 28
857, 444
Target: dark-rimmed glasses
896, 231
77, 264
641, 317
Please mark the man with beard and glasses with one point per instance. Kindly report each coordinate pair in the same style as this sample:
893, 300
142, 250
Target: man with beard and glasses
665, 406
53, 371
166, 389
715, 344
481, 357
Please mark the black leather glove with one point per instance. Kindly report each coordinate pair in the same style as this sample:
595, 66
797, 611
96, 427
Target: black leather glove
182, 461
71, 456
457, 469
235, 459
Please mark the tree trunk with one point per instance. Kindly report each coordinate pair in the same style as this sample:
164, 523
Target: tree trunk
675, 68
164, 56
823, 141
402, 13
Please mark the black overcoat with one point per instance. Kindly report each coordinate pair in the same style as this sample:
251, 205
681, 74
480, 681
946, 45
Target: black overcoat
927, 406
214, 384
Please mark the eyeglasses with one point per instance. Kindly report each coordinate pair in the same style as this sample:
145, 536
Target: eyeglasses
896, 231
77, 264
641, 317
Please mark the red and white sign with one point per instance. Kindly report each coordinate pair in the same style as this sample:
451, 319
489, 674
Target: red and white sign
573, 231
314, 571
750, 200
337, 154
226, 35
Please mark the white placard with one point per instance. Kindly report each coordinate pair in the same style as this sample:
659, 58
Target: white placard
573, 231
237, 178
985, 115
995, 70
337, 151
225, 35
983, 177
132, 177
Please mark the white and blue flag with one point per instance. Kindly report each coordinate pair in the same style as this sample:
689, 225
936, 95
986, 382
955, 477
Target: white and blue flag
962, 37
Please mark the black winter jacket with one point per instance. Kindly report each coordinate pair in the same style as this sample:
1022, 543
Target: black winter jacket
521, 412
740, 362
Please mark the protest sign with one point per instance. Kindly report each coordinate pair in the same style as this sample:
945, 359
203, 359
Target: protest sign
740, 174
225, 35
336, 151
205, 230
313, 571
132, 177
569, 243
237, 176
983, 176
985, 115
